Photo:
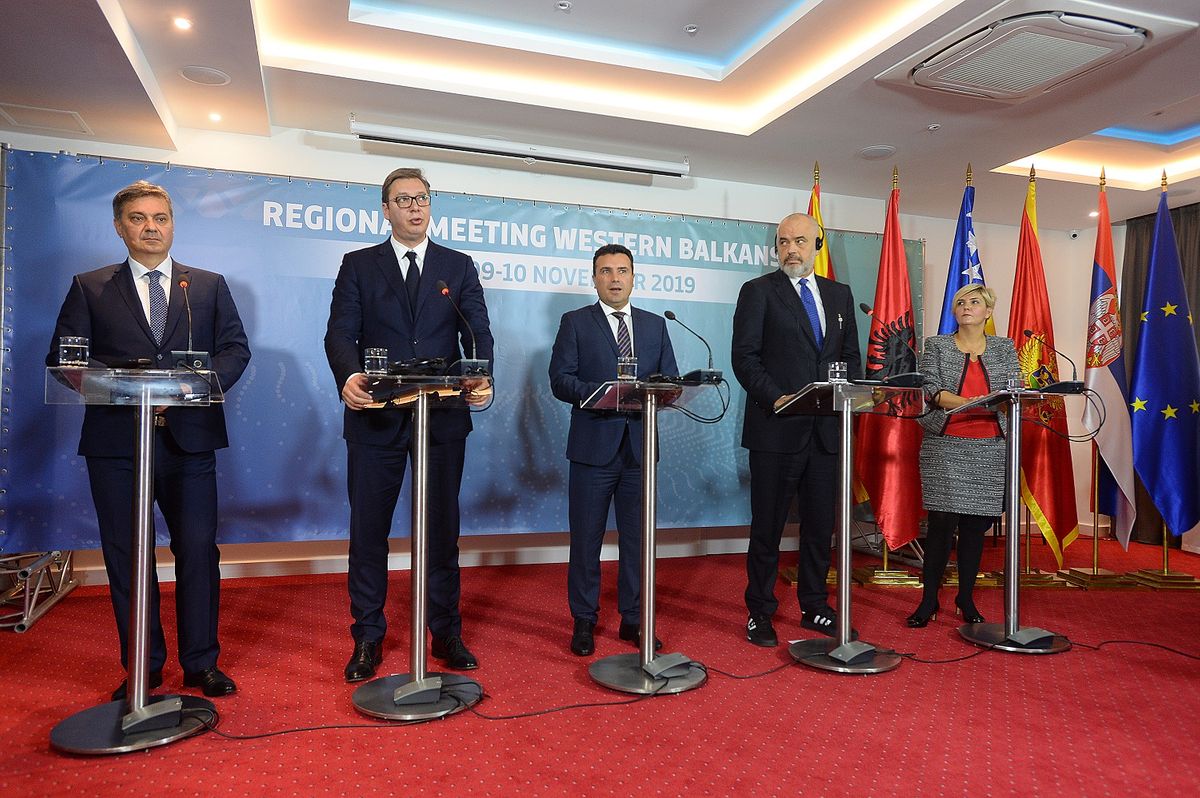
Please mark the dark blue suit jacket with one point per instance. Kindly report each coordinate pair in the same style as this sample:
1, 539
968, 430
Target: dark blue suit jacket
774, 353
103, 306
584, 357
370, 309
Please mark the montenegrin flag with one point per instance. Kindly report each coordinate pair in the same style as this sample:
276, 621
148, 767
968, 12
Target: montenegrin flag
1047, 479
1105, 376
1166, 387
889, 438
823, 266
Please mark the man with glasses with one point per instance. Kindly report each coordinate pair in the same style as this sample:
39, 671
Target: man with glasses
387, 296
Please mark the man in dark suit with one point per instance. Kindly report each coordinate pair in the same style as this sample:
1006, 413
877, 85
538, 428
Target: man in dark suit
135, 312
789, 325
386, 296
605, 447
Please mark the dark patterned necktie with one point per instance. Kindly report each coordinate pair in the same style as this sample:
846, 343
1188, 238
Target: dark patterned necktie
624, 346
412, 281
158, 306
810, 307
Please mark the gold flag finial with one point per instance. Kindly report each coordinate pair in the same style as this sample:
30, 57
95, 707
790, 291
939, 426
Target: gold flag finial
895, 177
1032, 174
816, 173
1164, 181
1103, 179
968, 173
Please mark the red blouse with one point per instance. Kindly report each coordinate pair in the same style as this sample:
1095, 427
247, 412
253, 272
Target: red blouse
973, 423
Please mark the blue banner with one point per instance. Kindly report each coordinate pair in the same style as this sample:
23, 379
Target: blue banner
279, 242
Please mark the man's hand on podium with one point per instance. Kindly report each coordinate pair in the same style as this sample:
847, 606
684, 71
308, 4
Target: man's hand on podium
354, 392
478, 391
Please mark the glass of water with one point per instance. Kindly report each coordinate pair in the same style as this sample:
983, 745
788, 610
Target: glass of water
72, 350
375, 360
627, 368
838, 371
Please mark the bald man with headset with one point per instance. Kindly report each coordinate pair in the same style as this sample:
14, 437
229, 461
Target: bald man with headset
788, 327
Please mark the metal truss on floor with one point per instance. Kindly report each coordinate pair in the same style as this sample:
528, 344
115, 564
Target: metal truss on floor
32, 583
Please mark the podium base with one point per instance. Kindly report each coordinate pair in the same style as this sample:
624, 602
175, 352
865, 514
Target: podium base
98, 730
854, 657
1027, 640
449, 693
624, 672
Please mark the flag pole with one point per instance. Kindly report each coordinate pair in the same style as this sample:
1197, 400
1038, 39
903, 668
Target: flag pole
1098, 577
1166, 578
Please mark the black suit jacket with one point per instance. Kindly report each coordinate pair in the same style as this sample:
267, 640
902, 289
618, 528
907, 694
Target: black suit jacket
774, 353
585, 356
103, 306
370, 309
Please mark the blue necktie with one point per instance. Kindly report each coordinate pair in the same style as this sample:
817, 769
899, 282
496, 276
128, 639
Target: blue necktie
158, 306
810, 307
412, 281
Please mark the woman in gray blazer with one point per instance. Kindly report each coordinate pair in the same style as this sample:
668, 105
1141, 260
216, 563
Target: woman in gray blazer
962, 456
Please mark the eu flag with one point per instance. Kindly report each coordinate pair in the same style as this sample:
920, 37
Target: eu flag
1165, 392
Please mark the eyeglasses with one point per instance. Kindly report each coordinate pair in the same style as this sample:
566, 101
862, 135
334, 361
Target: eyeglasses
405, 201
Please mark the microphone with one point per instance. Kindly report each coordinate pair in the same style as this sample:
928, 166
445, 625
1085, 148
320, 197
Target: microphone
189, 358
472, 365
703, 376
906, 379
1062, 386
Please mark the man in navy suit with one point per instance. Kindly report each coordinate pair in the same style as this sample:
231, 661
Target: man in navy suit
604, 447
386, 296
789, 325
135, 312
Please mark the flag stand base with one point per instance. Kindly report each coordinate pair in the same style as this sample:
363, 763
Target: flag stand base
1102, 578
1168, 580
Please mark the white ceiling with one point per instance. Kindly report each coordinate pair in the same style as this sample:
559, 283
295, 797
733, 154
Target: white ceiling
757, 94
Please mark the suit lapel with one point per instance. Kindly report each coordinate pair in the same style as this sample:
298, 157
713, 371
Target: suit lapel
600, 318
791, 299
434, 270
389, 268
833, 311
123, 280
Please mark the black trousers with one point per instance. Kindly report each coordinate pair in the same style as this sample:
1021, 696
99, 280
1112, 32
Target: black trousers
775, 478
185, 489
374, 477
939, 537
592, 490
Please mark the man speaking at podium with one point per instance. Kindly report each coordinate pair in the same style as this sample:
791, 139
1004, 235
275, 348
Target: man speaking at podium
389, 296
135, 313
789, 325
605, 447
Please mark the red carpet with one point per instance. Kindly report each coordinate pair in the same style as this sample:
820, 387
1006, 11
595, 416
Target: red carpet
1119, 721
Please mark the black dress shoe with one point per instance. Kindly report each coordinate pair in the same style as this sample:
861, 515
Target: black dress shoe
583, 643
367, 656
922, 616
633, 633
824, 621
761, 632
454, 652
155, 680
968, 611
214, 683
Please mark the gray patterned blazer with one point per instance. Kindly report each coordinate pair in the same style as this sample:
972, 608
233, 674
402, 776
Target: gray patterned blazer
944, 367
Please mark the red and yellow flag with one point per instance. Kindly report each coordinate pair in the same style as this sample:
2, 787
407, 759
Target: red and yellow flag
889, 439
823, 267
1047, 479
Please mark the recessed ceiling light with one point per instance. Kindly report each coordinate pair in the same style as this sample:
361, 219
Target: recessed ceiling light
205, 76
691, 30
877, 152
1094, 214
214, 117
183, 23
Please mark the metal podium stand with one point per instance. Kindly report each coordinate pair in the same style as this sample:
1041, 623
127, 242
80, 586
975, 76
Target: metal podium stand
1010, 635
140, 721
844, 399
645, 673
418, 695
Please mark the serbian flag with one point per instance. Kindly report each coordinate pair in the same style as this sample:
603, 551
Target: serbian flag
889, 439
1047, 480
1105, 376
823, 266
1166, 386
